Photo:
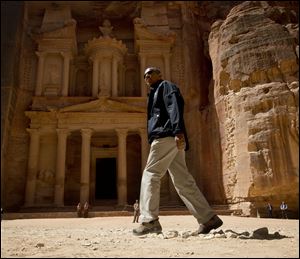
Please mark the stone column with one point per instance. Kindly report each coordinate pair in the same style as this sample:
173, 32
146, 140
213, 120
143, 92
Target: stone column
121, 83
142, 68
40, 73
167, 66
95, 89
32, 168
144, 148
67, 58
114, 76
122, 167
85, 165
60, 166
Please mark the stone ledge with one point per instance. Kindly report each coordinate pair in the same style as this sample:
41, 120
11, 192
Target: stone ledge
92, 214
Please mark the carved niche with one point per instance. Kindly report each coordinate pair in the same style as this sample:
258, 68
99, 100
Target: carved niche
57, 45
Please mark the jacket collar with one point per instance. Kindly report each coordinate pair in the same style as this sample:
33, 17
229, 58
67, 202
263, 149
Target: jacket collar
156, 84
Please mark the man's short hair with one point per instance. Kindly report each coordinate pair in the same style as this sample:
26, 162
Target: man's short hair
151, 70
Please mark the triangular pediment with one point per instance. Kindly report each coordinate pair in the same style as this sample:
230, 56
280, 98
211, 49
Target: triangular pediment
65, 32
145, 32
104, 104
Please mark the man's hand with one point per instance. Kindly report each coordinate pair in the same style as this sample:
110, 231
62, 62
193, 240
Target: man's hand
180, 141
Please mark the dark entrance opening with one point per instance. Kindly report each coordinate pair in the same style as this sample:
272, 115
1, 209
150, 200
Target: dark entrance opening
106, 179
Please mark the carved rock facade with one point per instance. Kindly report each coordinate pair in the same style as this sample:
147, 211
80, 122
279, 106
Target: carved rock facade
78, 132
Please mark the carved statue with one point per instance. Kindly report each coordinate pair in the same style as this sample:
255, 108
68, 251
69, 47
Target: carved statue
106, 28
54, 77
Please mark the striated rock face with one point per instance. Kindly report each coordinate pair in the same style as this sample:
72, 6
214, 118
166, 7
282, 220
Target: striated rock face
256, 85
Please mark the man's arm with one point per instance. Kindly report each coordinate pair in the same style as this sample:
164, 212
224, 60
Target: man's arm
173, 105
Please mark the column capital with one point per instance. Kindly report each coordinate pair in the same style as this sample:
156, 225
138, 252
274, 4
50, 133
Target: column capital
142, 55
117, 57
66, 54
91, 59
142, 131
94, 57
86, 132
33, 131
167, 55
41, 54
121, 132
63, 131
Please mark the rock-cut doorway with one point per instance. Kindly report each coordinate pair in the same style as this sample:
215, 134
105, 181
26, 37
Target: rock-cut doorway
106, 180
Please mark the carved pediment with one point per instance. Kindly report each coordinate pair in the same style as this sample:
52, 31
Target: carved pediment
104, 104
66, 31
145, 32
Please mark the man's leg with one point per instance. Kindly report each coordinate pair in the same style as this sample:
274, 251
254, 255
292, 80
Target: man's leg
192, 196
188, 190
160, 156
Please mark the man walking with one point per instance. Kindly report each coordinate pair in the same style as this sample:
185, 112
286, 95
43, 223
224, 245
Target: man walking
168, 139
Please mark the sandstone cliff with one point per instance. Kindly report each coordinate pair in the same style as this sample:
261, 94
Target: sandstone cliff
254, 54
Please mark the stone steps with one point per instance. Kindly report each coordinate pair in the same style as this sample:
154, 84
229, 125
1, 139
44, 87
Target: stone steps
102, 211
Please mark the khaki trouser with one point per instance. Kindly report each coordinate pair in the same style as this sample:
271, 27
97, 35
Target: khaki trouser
164, 156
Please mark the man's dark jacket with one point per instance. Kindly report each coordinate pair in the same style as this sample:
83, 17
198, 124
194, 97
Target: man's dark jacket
165, 111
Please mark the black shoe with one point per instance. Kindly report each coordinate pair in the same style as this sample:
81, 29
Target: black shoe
213, 223
148, 227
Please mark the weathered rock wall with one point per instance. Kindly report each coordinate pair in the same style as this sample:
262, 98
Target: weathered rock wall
255, 73
14, 100
210, 177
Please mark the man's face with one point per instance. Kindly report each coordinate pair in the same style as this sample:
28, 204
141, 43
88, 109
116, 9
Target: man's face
151, 78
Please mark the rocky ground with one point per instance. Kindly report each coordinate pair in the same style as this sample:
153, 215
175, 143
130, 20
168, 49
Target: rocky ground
100, 237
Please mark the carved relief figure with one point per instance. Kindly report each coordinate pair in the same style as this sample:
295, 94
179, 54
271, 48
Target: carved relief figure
46, 176
53, 74
53, 70
106, 29
105, 77
53, 77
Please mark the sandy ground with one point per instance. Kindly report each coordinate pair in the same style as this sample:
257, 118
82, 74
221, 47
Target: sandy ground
112, 237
